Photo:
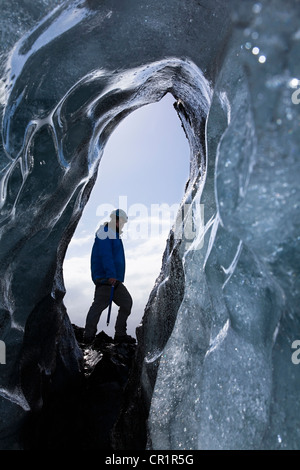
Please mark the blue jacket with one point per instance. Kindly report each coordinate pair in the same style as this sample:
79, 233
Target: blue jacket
107, 258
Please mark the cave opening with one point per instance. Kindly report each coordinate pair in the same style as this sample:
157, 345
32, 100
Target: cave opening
101, 112
144, 170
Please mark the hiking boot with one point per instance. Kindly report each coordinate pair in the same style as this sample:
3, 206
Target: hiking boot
124, 339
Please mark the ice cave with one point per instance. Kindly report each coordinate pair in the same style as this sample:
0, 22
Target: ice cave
213, 368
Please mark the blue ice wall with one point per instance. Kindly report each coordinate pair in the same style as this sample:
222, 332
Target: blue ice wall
214, 363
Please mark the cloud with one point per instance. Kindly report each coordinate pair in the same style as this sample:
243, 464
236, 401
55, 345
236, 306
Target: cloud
80, 241
143, 266
79, 287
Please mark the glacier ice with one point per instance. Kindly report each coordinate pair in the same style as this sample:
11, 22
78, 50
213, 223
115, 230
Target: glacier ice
214, 368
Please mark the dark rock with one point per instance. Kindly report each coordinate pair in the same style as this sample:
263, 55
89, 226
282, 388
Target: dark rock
81, 414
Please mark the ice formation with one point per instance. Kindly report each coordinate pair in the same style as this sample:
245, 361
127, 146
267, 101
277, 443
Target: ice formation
214, 368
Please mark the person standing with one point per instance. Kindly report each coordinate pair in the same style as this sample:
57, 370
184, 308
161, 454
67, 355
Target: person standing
107, 270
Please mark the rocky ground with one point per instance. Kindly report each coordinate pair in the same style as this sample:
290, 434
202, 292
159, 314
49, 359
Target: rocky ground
82, 415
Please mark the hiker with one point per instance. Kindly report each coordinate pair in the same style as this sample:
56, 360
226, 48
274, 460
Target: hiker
108, 269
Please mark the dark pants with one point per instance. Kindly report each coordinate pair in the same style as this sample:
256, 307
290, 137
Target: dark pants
121, 297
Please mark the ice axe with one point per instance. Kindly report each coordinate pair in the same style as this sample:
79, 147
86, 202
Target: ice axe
110, 303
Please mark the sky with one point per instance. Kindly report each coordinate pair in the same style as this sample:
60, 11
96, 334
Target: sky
144, 169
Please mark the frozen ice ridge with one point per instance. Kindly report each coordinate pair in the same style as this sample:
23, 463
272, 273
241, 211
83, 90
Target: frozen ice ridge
213, 366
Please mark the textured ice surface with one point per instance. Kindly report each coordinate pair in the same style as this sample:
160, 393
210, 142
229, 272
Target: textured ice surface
215, 343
